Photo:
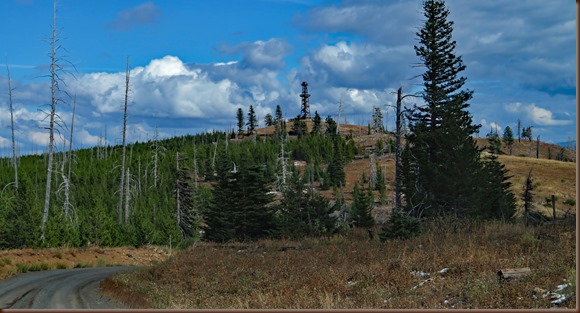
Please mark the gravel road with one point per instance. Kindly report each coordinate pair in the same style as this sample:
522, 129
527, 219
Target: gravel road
59, 289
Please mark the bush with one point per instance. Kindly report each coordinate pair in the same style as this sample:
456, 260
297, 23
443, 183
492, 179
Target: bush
571, 202
22, 268
400, 226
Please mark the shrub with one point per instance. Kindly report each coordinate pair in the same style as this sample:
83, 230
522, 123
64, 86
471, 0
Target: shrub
60, 266
22, 268
400, 226
571, 202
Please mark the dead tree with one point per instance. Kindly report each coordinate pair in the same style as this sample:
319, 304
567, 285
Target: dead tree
14, 157
124, 147
66, 176
54, 67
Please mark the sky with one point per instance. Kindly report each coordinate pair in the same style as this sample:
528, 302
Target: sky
194, 63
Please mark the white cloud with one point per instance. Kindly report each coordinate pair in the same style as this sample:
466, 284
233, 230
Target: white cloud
538, 115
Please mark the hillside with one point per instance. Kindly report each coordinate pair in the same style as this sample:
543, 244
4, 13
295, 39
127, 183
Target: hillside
551, 177
154, 168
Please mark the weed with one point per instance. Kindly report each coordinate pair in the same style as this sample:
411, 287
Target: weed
60, 266
5, 261
82, 265
58, 255
22, 268
38, 267
570, 202
351, 272
101, 263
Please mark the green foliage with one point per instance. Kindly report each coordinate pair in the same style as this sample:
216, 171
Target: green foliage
570, 201
493, 143
400, 226
239, 209
316, 123
331, 126
304, 212
496, 199
252, 120
336, 175
240, 119
268, 120
508, 138
442, 170
362, 205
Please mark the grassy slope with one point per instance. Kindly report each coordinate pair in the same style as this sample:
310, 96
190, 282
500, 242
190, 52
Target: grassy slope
351, 272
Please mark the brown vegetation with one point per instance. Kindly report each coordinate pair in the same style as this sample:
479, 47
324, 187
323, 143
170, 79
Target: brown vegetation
352, 272
18, 260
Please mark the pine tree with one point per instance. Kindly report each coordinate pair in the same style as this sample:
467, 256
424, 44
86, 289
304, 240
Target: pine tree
362, 205
331, 127
252, 120
508, 138
278, 115
495, 198
240, 117
316, 123
336, 175
493, 143
445, 156
268, 120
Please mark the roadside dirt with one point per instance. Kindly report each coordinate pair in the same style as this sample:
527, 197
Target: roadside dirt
15, 260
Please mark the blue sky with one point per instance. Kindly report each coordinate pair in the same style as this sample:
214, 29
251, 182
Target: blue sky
193, 63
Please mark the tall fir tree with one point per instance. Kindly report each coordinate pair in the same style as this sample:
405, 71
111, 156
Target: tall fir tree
252, 120
240, 118
316, 123
445, 156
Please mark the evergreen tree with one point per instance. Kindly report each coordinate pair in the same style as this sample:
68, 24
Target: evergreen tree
316, 123
278, 117
495, 198
240, 117
336, 175
331, 126
445, 156
527, 132
508, 138
268, 120
304, 212
493, 143
299, 127
362, 205
252, 120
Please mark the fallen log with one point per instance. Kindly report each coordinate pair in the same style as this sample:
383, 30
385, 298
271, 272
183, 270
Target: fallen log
513, 273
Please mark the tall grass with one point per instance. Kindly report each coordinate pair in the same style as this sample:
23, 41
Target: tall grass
353, 272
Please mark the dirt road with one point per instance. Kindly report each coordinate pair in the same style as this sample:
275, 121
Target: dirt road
59, 289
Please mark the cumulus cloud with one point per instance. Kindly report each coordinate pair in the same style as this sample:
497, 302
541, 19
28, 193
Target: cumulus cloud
538, 115
363, 66
143, 14
169, 88
260, 54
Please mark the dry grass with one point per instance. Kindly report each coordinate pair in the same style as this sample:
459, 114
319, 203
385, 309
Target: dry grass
14, 261
353, 272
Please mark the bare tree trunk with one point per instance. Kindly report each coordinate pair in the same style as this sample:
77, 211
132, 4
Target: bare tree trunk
156, 158
127, 196
398, 151
14, 157
52, 114
124, 147
177, 195
66, 178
